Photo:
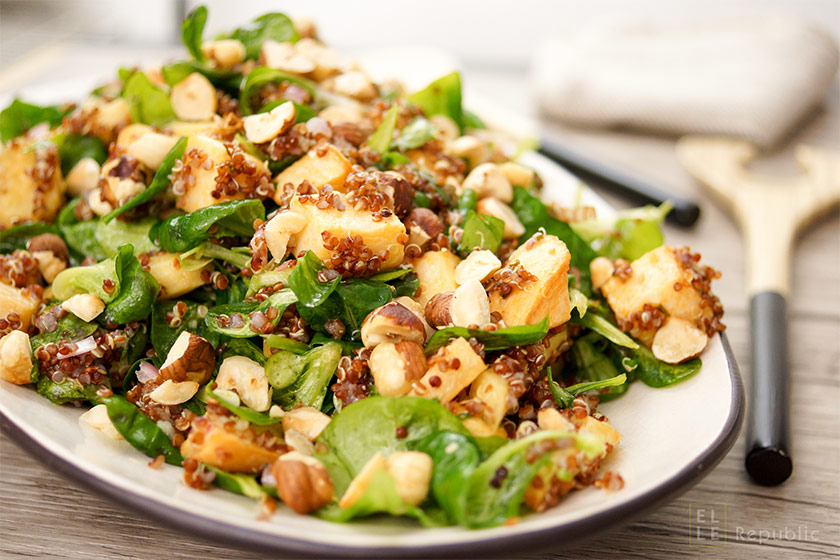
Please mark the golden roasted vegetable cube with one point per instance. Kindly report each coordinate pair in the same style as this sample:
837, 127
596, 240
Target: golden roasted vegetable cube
451, 369
493, 391
436, 272
173, 279
537, 275
20, 301
230, 449
31, 186
386, 235
329, 167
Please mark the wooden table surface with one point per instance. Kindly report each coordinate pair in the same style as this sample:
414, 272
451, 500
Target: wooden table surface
44, 515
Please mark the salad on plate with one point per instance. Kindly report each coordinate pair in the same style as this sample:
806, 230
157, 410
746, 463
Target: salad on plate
297, 284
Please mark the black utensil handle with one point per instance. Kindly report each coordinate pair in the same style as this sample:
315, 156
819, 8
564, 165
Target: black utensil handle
768, 459
685, 212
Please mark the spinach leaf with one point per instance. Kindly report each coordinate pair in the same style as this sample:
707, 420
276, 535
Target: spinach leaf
192, 28
79, 236
467, 201
381, 139
628, 235
183, 232
243, 347
265, 278
252, 416
534, 216
70, 328
67, 391
406, 286
455, 458
196, 258
219, 315
244, 484
17, 236
19, 117
138, 290
351, 302
273, 26
304, 282
303, 379
262, 76
605, 328
656, 373
136, 233
473, 121
500, 339
159, 183
294, 346
149, 104
442, 97
302, 112
348, 347
88, 280
140, 431
565, 396
74, 147
481, 232
596, 359
163, 335
226, 80
415, 134
370, 425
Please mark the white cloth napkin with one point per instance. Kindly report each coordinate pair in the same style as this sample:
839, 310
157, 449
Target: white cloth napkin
755, 78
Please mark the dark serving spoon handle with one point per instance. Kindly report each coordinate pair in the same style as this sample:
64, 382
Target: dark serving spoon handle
768, 459
685, 212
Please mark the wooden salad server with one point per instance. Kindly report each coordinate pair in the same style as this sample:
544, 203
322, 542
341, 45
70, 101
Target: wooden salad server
770, 211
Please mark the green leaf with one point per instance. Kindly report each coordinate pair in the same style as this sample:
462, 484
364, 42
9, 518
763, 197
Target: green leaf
183, 232
274, 26
227, 80
629, 234
192, 28
265, 278
19, 117
252, 416
136, 233
473, 121
593, 358
279, 300
67, 391
74, 147
534, 216
455, 456
442, 97
244, 484
370, 425
565, 396
500, 339
159, 183
468, 201
149, 104
406, 286
87, 280
163, 335
262, 76
481, 231
303, 379
17, 236
70, 329
243, 347
138, 290
289, 344
606, 329
381, 139
80, 236
656, 373
240, 257
302, 112
351, 302
140, 431
304, 282
415, 134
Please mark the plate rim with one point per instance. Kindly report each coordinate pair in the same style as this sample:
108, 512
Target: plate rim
536, 540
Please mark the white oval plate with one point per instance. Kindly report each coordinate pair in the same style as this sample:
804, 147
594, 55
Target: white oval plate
672, 438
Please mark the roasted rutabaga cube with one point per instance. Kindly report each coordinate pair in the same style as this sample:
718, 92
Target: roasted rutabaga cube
533, 284
666, 291
436, 272
495, 396
17, 306
347, 238
320, 166
452, 368
31, 186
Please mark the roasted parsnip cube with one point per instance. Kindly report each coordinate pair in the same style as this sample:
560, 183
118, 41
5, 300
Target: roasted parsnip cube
662, 283
494, 393
31, 186
436, 272
233, 448
601, 429
174, 280
452, 368
537, 274
21, 301
331, 168
386, 235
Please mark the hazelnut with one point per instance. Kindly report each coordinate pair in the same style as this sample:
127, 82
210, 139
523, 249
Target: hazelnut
83, 177
248, 379
517, 175
469, 148
600, 270
279, 230
447, 129
305, 27
395, 366
86, 307
49, 265
191, 358
49, 242
99, 206
399, 190
151, 148
437, 310
285, 56
678, 340
470, 305
225, 53
122, 179
174, 392
307, 420
392, 322
479, 265
487, 180
16, 358
353, 84
327, 61
412, 471
344, 113
296, 441
423, 225
264, 127
194, 98
494, 207
303, 482
97, 418
417, 309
